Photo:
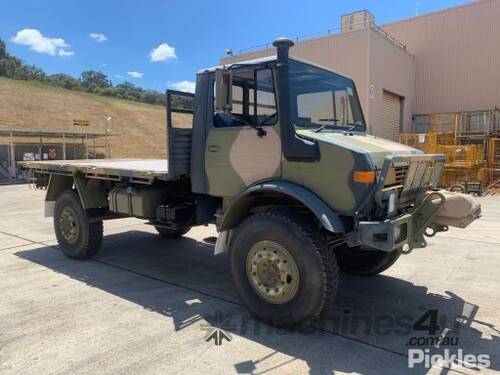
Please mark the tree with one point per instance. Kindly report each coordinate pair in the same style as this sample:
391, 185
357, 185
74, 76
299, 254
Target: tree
64, 81
3, 50
127, 90
93, 80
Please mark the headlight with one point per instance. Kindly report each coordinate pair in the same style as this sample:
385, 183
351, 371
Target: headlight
400, 233
397, 232
391, 204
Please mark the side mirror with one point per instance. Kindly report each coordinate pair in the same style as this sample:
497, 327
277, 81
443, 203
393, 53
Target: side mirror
223, 90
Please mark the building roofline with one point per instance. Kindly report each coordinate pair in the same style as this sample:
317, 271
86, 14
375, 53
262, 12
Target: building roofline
449, 9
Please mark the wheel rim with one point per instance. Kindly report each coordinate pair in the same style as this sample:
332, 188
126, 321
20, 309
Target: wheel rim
69, 225
272, 272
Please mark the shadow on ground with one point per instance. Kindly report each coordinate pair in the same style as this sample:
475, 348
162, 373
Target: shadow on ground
379, 313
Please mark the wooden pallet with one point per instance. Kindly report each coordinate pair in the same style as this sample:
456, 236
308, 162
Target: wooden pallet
493, 188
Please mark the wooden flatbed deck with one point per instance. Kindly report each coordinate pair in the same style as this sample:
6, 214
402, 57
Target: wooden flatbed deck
137, 170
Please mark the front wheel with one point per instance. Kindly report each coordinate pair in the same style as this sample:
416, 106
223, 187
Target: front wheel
362, 261
77, 238
282, 270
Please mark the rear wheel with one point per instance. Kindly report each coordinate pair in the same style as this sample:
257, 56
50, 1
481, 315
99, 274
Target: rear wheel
172, 232
364, 261
77, 238
282, 270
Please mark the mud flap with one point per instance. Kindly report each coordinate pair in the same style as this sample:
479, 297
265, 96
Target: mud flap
223, 242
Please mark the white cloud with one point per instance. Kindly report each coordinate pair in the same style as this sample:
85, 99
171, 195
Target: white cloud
64, 53
98, 37
186, 86
118, 76
39, 43
162, 53
135, 74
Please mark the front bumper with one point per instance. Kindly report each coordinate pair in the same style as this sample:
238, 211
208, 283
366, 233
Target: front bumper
385, 235
407, 229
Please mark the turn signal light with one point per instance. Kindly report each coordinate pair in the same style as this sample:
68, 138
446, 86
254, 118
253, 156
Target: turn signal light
364, 177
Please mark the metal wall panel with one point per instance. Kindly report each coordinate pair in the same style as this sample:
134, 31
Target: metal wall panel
391, 69
457, 55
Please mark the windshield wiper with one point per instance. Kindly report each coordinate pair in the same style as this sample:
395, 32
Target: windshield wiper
357, 123
334, 120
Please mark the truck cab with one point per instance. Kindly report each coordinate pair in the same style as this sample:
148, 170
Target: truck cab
277, 156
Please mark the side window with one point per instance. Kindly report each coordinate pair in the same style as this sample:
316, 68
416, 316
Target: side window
237, 100
265, 110
254, 101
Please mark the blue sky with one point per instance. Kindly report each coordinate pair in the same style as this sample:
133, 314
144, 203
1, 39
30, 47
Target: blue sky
191, 34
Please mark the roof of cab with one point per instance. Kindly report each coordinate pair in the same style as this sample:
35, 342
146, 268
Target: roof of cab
272, 58
254, 61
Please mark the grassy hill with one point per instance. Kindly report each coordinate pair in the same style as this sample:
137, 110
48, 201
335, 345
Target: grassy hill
32, 105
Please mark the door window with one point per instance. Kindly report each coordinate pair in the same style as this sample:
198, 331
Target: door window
254, 100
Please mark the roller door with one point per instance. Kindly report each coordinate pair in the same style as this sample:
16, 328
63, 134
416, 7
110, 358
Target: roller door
392, 116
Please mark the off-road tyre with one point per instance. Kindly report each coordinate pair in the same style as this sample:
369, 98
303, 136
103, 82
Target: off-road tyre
316, 266
87, 237
172, 233
365, 262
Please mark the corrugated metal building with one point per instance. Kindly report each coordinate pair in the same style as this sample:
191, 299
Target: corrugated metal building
445, 61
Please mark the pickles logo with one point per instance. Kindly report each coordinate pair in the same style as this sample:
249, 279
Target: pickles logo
425, 357
429, 322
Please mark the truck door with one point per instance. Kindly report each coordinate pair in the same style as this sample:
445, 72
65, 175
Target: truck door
243, 145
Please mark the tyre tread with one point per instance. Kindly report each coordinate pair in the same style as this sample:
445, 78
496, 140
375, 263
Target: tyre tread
319, 247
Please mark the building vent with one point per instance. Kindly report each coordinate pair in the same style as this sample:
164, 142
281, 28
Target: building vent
356, 21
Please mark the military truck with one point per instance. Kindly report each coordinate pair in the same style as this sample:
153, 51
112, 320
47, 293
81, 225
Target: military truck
277, 156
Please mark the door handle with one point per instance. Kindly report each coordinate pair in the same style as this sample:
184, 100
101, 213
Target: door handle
213, 148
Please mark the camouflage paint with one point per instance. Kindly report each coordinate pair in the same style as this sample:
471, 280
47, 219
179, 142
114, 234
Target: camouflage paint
376, 148
243, 158
237, 157
330, 178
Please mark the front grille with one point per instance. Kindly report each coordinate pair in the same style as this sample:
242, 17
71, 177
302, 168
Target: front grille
421, 175
407, 176
396, 176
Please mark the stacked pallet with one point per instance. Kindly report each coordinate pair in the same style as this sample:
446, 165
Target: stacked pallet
471, 143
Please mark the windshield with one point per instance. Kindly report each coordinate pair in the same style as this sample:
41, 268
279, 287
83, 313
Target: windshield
321, 99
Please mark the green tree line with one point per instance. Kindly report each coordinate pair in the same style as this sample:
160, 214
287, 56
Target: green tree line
91, 81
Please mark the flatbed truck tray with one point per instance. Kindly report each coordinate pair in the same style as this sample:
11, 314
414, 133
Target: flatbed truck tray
135, 170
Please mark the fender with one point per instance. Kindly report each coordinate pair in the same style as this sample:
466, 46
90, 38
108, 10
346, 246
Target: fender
326, 216
90, 191
243, 202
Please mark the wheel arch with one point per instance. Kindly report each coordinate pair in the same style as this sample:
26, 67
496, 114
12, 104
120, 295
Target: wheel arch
245, 201
90, 191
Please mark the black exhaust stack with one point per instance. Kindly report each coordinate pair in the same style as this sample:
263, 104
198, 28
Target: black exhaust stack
294, 148
283, 45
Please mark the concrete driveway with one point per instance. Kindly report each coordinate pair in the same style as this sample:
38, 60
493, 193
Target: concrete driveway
147, 304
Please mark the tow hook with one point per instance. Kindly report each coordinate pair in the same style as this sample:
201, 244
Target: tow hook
406, 249
432, 229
